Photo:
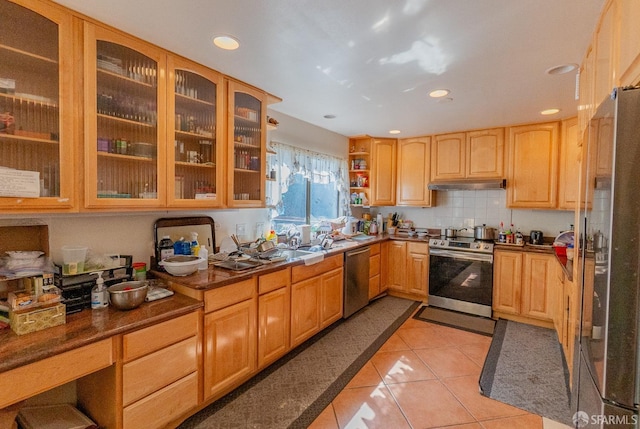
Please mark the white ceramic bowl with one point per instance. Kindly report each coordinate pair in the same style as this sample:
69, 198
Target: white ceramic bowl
181, 265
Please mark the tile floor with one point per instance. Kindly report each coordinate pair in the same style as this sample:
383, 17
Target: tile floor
425, 376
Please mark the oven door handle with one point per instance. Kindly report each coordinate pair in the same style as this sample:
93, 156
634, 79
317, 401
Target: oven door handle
466, 256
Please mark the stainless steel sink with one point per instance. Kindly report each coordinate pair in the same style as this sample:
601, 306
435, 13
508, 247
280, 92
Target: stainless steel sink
292, 254
238, 265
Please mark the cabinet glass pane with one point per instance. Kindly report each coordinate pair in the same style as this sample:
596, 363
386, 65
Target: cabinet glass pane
247, 140
126, 123
29, 95
195, 130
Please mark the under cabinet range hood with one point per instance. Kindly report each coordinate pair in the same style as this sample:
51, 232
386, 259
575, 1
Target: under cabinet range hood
457, 185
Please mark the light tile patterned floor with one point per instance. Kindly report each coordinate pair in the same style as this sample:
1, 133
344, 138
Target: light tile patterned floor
425, 376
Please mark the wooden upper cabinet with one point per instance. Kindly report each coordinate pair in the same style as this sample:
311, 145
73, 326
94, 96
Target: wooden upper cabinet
195, 138
471, 155
485, 154
586, 107
124, 126
383, 172
532, 170
414, 171
606, 73
629, 42
448, 152
246, 125
570, 152
604, 151
37, 131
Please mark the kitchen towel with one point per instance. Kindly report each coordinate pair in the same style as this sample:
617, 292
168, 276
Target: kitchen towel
525, 367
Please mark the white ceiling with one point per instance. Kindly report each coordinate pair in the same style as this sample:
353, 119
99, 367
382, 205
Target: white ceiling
371, 63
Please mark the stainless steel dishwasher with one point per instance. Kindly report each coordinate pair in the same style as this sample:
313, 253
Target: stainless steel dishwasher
356, 280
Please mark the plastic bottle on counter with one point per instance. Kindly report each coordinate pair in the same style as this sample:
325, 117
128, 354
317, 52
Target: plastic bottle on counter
195, 246
99, 293
165, 248
204, 254
178, 247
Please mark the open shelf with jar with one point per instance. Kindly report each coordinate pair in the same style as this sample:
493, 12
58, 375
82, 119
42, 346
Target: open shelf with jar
359, 170
195, 173
125, 99
35, 106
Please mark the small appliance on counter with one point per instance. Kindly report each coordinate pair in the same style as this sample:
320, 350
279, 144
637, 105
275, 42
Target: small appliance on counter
536, 238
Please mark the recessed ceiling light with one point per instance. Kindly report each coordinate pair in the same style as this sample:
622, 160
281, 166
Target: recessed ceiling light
549, 111
329, 116
394, 132
561, 69
228, 43
439, 93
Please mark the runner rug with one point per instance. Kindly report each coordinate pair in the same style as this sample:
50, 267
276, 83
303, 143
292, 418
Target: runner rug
296, 389
525, 367
455, 319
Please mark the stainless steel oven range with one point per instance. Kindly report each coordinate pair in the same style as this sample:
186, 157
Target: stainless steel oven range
461, 275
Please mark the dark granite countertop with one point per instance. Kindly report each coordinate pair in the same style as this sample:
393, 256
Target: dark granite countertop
215, 277
87, 327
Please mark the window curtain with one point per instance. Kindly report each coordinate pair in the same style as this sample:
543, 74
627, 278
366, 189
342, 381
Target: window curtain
315, 166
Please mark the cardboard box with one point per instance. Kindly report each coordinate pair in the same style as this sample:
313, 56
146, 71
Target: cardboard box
26, 321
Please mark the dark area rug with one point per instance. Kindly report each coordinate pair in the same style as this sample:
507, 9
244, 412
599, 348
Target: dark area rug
292, 392
525, 367
455, 319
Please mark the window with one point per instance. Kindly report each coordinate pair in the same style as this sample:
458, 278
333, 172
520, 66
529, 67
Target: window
309, 187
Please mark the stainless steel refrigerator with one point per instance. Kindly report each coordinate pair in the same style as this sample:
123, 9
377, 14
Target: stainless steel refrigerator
608, 381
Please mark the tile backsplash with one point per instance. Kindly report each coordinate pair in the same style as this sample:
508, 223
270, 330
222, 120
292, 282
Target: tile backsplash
460, 209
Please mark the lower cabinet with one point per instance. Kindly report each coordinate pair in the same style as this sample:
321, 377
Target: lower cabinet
408, 268
274, 315
375, 284
522, 286
316, 297
230, 336
564, 315
160, 372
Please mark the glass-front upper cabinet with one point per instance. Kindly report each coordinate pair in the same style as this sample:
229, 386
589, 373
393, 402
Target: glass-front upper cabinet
36, 102
195, 166
125, 99
247, 143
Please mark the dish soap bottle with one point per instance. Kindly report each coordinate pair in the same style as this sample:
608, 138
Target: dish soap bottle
99, 293
195, 246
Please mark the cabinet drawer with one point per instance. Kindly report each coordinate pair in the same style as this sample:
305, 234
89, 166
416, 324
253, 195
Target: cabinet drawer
147, 340
160, 408
273, 281
374, 249
374, 265
29, 380
421, 248
153, 372
228, 295
303, 272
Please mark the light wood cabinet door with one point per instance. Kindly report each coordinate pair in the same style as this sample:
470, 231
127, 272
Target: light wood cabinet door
246, 125
604, 151
374, 274
507, 281
532, 176
305, 317
195, 132
606, 74
331, 297
417, 264
229, 346
274, 321
414, 172
39, 99
448, 152
586, 93
124, 126
383, 172
485, 154
569, 165
397, 261
537, 284
629, 42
